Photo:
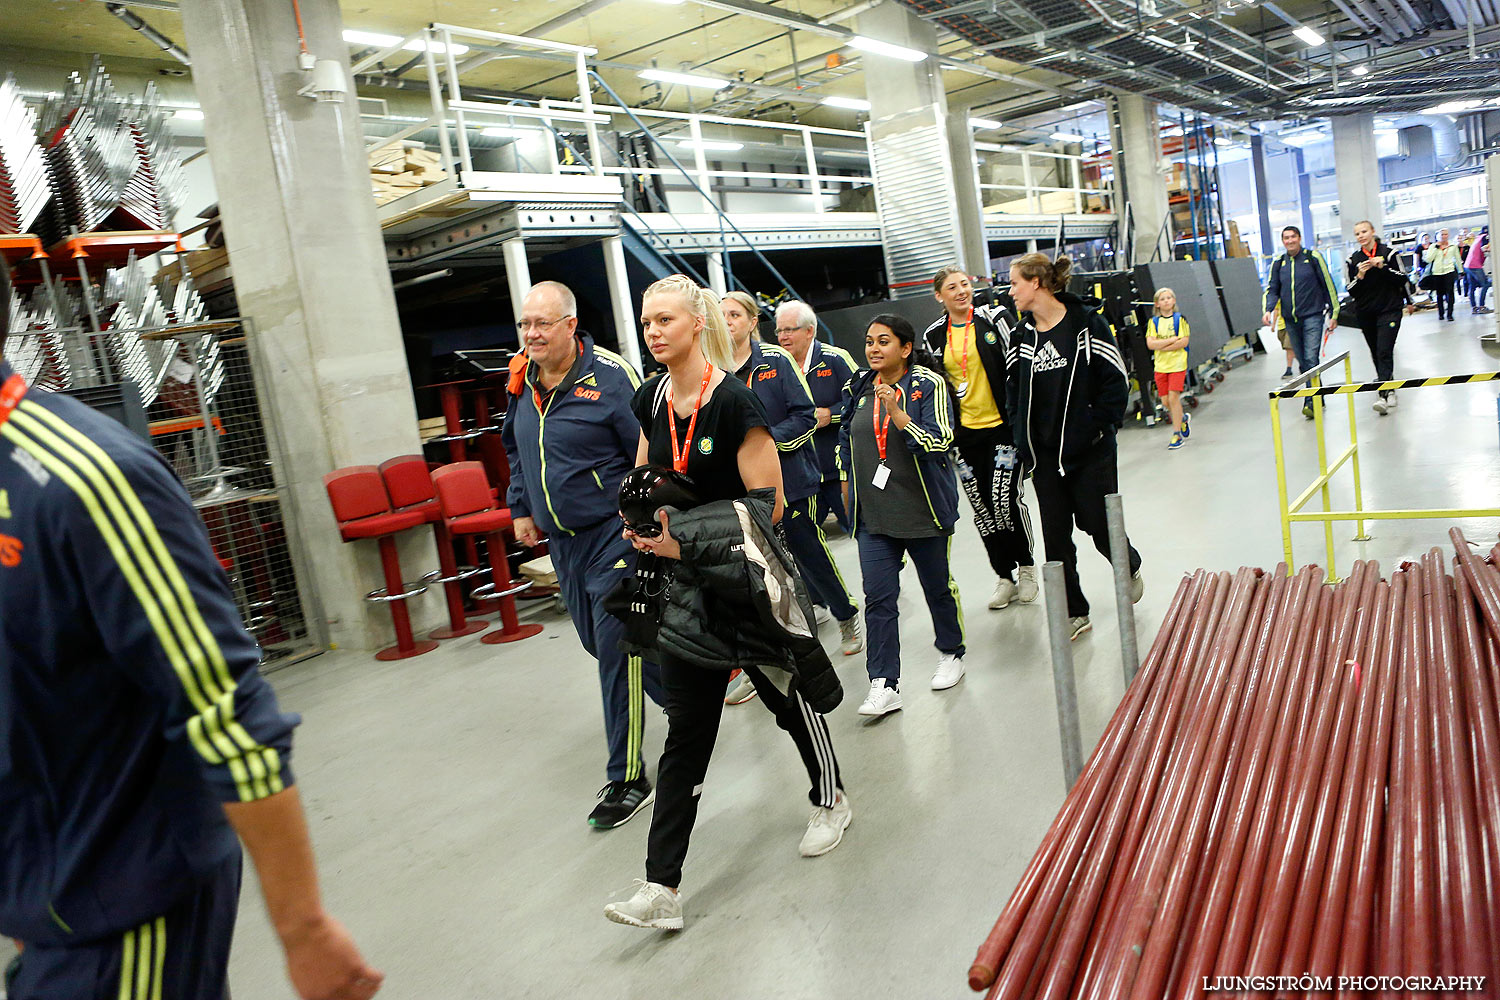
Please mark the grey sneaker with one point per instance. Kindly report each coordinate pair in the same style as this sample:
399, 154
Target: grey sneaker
1005, 592
1078, 626
822, 615
741, 690
653, 906
1026, 589
825, 828
1137, 587
853, 640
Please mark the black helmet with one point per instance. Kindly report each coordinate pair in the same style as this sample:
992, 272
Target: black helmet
646, 490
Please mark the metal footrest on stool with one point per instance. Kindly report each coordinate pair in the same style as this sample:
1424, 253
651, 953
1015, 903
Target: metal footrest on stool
458, 626
384, 596
489, 592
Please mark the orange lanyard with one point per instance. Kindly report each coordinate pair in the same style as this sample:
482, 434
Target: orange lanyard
10, 396
536, 397
968, 336
882, 427
680, 455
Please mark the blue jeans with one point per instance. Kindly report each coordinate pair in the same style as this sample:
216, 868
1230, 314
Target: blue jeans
1306, 336
1479, 282
880, 565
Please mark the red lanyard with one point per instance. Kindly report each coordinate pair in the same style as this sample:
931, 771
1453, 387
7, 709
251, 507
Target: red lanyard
1371, 252
882, 427
536, 397
10, 396
681, 455
968, 336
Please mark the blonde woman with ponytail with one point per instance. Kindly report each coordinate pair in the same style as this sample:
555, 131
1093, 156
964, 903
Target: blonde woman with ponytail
1068, 392
708, 425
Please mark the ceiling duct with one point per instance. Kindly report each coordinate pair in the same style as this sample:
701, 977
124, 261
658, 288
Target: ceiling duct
1447, 145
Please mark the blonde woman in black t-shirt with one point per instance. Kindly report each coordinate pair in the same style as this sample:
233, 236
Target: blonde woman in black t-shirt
702, 422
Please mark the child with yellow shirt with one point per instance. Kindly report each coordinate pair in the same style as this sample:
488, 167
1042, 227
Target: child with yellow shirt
1167, 335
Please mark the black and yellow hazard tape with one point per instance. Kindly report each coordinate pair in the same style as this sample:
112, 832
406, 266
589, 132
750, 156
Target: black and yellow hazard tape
1405, 383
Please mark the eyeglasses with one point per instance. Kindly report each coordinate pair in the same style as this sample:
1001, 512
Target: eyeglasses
541, 324
651, 529
790, 329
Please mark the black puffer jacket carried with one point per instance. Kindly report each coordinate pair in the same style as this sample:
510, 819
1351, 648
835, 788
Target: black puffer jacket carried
733, 600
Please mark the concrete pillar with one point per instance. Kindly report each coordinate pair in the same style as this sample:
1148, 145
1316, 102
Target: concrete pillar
1304, 199
1492, 187
310, 270
1262, 194
1138, 181
1357, 167
624, 307
973, 246
919, 166
517, 272
718, 279
894, 86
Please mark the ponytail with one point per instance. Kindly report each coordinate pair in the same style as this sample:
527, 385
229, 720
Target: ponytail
715, 341
1053, 274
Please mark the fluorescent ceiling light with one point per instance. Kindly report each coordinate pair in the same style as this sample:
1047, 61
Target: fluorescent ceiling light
509, 132
711, 145
375, 39
845, 154
1308, 35
1452, 107
685, 79
1221, 141
985, 123
1159, 40
876, 47
188, 114
1360, 70
1172, 133
851, 103
1067, 137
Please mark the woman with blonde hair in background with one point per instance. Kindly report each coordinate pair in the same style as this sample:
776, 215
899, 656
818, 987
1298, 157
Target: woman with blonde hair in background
706, 425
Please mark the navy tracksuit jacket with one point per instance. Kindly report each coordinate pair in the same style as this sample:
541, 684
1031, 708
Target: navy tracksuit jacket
777, 382
828, 370
568, 451
131, 707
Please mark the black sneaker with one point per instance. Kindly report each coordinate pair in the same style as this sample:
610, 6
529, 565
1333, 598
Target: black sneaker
620, 801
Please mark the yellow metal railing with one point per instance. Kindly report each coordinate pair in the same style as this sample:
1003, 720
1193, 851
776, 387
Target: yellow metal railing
1309, 386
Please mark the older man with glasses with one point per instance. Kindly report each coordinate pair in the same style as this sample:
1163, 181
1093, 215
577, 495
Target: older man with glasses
571, 437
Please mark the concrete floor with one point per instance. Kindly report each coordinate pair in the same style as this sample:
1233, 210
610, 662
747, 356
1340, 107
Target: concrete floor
447, 794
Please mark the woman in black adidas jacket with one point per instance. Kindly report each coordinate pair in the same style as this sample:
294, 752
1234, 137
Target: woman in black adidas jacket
1381, 290
1067, 391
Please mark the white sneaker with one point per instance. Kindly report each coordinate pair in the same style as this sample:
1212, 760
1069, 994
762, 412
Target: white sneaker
1390, 401
950, 670
1005, 592
653, 906
881, 700
852, 640
1026, 589
1381, 405
821, 614
826, 826
1078, 626
1137, 587
741, 690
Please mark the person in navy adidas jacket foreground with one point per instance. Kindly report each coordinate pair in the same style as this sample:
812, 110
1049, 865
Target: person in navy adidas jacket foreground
1067, 392
571, 436
137, 737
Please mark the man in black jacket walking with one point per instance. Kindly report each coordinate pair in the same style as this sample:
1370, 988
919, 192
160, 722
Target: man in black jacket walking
1381, 290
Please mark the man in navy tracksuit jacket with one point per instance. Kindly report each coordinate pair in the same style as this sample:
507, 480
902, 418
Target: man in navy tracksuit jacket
571, 437
136, 735
777, 382
826, 369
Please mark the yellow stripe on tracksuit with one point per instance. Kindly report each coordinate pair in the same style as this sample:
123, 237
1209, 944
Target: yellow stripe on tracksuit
812, 515
636, 718
143, 956
138, 549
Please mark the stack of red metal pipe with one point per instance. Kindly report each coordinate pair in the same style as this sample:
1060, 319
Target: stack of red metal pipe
1299, 794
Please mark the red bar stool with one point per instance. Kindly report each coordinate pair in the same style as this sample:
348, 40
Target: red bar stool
409, 485
364, 511
464, 492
